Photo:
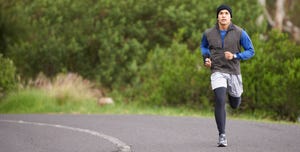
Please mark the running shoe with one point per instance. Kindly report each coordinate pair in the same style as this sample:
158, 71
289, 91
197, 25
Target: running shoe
222, 141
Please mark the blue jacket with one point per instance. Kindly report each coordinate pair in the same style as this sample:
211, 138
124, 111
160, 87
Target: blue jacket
245, 42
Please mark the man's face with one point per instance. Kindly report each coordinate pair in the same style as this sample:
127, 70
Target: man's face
224, 17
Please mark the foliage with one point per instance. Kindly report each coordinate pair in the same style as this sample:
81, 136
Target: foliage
271, 78
105, 40
173, 76
13, 27
65, 93
66, 88
7, 75
38, 101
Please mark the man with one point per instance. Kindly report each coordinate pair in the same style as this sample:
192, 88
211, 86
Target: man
221, 48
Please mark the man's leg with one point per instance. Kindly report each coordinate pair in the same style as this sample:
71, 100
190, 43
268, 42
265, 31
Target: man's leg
235, 90
219, 86
234, 101
220, 113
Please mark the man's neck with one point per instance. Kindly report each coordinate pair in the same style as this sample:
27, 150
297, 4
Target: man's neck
224, 27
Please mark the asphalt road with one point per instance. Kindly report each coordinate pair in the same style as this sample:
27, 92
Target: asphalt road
140, 133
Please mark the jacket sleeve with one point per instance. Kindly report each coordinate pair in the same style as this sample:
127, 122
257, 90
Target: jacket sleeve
204, 48
248, 47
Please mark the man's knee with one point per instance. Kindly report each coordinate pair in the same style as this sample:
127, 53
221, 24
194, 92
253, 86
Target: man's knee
220, 96
234, 102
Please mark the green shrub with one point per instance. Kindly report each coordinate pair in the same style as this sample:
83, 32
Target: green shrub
13, 27
7, 75
173, 76
106, 40
271, 78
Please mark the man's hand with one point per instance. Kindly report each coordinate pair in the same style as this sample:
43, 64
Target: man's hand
207, 62
228, 55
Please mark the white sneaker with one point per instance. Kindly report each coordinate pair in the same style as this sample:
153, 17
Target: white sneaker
222, 141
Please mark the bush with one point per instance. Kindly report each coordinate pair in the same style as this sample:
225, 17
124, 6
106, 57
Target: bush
66, 88
13, 27
271, 78
105, 40
173, 76
7, 75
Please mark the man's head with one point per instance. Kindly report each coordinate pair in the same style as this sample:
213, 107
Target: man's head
224, 15
224, 7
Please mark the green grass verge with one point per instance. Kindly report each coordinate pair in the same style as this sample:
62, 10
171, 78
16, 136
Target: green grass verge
38, 101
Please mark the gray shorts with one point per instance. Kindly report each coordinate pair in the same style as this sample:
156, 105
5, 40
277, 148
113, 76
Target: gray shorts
232, 82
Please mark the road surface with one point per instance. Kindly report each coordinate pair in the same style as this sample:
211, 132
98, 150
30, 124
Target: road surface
140, 133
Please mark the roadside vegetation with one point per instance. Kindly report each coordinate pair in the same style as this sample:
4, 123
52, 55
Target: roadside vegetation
64, 56
70, 93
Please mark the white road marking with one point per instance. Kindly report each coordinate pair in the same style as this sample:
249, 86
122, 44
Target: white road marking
122, 147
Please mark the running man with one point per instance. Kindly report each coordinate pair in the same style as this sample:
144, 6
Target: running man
221, 48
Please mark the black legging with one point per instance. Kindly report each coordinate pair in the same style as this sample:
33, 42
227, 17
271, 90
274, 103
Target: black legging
220, 112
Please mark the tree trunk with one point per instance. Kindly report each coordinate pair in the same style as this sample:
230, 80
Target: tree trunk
281, 22
279, 14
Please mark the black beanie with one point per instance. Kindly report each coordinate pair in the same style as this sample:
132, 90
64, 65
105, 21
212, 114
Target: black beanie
222, 7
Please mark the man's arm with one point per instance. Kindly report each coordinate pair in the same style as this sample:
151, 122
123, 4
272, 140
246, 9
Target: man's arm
248, 47
205, 51
204, 48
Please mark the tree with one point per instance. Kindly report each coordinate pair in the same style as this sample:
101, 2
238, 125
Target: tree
280, 20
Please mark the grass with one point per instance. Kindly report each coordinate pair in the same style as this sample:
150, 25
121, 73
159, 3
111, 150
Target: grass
38, 101
70, 93
73, 95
